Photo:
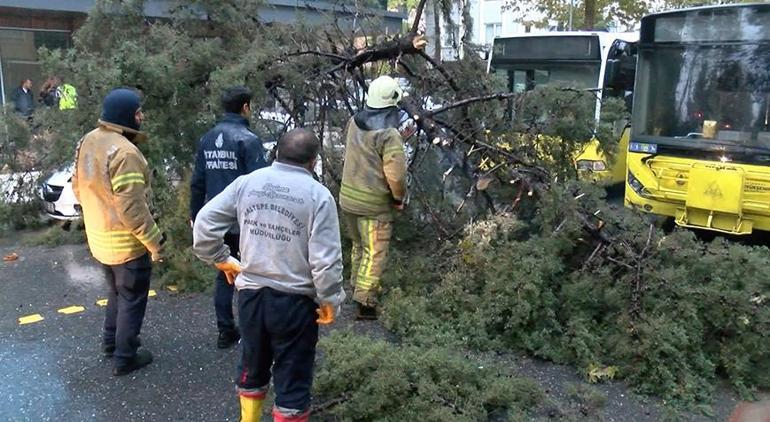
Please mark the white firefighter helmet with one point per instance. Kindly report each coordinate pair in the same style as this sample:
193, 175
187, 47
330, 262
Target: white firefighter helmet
384, 92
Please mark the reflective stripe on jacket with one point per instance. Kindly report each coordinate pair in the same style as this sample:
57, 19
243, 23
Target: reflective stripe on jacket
112, 183
374, 174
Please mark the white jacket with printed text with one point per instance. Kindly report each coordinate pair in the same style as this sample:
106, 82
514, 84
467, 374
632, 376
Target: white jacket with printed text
290, 235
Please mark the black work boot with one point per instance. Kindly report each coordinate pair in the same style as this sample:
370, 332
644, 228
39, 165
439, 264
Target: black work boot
366, 313
108, 350
140, 360
228, 338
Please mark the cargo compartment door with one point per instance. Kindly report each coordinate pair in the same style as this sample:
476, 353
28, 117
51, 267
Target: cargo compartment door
715, 199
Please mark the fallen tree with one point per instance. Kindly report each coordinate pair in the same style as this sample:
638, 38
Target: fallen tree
523, 257
664, 311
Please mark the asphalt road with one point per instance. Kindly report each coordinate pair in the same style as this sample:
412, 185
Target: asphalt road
52, 369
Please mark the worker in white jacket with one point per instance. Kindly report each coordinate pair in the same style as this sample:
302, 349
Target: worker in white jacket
289, 279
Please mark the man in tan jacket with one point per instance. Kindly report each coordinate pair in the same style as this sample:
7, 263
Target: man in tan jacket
373, 185
112, 183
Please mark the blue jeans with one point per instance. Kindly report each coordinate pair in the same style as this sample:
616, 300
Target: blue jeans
128, 285
223, 292
278, 330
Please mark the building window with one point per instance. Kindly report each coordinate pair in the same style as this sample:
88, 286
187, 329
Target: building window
492, 31
18, 56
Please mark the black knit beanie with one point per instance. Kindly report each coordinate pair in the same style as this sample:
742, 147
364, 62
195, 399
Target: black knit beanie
120, 107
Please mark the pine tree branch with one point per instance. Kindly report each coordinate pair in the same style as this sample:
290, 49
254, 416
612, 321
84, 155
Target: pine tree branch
336, 57
468, 101
455, 87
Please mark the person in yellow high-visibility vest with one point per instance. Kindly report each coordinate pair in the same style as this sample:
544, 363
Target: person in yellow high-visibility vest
67, 94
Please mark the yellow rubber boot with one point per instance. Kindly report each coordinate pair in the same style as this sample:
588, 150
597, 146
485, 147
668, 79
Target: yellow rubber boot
251, 408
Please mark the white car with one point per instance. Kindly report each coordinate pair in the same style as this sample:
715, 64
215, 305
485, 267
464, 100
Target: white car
269, 127
59, 200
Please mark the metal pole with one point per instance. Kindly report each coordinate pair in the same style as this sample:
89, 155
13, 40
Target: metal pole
571, 5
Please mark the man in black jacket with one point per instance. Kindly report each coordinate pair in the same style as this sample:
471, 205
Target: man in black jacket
226, 152
23, 99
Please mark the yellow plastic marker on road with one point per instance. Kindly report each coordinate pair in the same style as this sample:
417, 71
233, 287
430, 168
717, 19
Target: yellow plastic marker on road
71, 310
29, 319
101, 302
152, 293
172, 288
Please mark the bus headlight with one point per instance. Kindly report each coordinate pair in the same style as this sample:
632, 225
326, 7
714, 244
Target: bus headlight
591, 165
636, 185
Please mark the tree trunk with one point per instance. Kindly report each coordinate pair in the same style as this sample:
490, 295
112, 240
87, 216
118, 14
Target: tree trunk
419, 12
590, 15
437, 26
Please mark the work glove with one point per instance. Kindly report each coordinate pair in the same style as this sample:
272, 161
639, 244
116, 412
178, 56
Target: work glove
231, 267
327, 313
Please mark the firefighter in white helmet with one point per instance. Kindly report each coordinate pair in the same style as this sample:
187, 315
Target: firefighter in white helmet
373, 187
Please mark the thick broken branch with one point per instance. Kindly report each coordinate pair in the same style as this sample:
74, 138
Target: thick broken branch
347, 66
387, 50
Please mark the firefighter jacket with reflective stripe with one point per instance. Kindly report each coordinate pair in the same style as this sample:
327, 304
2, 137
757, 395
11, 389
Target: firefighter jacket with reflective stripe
112, 183
374, 174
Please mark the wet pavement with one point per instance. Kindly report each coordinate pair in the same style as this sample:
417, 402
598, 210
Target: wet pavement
53, 370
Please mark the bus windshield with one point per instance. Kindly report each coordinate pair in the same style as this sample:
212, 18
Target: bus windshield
531, 61
706, 90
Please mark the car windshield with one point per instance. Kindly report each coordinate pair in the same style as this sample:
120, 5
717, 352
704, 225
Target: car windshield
705, 93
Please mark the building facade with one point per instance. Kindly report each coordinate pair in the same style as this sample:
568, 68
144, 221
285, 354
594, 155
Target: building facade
490, 19
27, 25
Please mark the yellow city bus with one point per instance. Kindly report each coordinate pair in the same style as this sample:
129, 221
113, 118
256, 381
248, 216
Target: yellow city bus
595, 61
700, 142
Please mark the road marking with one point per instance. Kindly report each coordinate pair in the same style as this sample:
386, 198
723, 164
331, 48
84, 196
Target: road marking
172, 288
29, 319
74, 309
71, 310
